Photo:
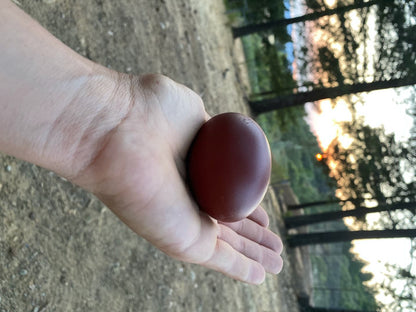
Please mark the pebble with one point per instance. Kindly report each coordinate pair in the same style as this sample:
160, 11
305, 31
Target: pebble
110, 33
8, 168
36, 309
193, 276
23, 272
115, 266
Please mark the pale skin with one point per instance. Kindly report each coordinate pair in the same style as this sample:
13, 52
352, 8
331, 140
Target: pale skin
125, 139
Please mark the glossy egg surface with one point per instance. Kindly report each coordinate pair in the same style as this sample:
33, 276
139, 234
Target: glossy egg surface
229, 165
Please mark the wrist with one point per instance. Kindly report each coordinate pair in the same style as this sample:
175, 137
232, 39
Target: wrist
56, 106
81, 130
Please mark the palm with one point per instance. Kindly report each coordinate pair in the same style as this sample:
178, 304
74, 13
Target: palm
141, 177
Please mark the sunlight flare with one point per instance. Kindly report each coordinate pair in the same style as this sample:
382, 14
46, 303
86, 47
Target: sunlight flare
331, 3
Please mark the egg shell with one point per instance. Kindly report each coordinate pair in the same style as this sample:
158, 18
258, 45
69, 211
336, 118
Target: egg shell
229, 166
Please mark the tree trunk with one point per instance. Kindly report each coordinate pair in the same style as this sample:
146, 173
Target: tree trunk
312, 309
254, 28
271, 92
315, 203
354, 201
292, 222
305, 307
301, 98
345, 236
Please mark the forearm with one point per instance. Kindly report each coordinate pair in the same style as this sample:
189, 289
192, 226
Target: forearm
53, 102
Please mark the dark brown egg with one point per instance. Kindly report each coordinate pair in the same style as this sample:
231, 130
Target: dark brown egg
229, 166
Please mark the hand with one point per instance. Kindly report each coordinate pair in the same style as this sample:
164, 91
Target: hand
140, 175
123, 138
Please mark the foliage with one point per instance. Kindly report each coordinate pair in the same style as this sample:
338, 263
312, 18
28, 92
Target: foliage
402, 299
293, 148
268, 66
267, 61
412, 112
260, 11
372, 170
338, 278
395, 38
373, 166
279, 79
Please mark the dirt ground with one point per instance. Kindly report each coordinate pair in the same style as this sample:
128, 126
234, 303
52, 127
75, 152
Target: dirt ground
60, 248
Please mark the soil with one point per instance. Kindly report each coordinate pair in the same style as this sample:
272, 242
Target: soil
63, 250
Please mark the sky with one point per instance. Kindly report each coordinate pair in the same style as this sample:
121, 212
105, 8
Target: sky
381, 108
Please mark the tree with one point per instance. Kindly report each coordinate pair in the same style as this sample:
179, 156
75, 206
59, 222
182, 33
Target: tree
358, 212
273, 69
261, 11
353, 201
306, 307
315, 203
399, 284
343, 236
374, 157
270, 25
371, 171
390, 60
412, 112
295, 99
353, 59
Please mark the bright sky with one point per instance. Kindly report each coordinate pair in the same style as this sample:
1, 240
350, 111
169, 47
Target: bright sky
377, 252
384, 108
381, 108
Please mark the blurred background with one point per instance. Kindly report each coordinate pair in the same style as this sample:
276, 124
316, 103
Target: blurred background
332, 84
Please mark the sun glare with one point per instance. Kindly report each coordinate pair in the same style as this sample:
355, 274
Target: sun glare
324, 119
345, 140
332, 164
331, 3
319, 157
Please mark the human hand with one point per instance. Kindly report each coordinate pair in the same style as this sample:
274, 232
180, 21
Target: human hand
123, 138
140, 174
